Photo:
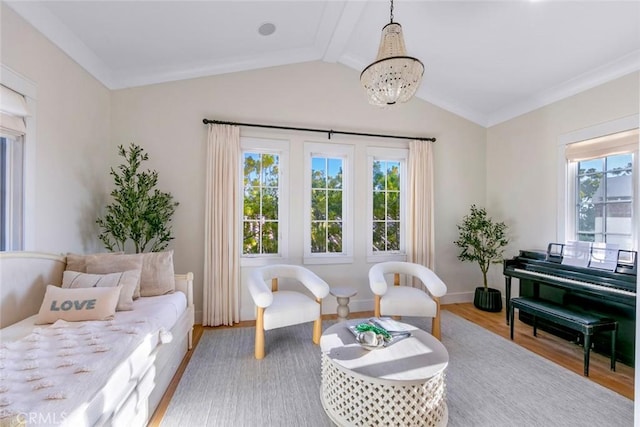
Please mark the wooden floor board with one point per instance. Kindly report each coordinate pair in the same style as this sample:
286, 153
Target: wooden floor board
557, 350
564, 353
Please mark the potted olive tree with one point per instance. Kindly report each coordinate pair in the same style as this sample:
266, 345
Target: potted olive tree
140, 214
482, 240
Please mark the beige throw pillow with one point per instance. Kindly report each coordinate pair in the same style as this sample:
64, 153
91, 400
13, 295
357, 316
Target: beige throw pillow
74, 305
128, 279
115, 263
157, 274
77, 262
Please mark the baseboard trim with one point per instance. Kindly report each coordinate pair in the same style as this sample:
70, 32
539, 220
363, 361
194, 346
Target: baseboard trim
364, 305
356, 306
457, 298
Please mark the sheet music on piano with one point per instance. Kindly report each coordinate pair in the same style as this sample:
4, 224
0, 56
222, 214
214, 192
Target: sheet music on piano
604, 256
576, 253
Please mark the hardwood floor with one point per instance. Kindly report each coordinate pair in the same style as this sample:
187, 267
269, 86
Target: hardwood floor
559, 351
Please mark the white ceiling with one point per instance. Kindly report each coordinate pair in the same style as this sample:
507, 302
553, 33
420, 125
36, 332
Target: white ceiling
485, 61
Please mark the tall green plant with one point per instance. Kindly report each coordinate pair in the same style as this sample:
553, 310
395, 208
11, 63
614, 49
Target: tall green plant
139, 213
481, 240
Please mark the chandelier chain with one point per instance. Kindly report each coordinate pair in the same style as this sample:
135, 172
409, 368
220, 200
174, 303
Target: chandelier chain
392, 11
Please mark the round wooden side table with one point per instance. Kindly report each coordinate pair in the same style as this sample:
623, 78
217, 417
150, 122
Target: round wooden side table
342, 296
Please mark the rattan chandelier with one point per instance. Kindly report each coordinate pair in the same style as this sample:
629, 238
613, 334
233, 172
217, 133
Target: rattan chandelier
393, 77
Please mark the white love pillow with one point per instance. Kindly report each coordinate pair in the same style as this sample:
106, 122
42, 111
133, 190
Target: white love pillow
74, 305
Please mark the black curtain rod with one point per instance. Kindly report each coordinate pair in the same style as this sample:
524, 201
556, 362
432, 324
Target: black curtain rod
329, 132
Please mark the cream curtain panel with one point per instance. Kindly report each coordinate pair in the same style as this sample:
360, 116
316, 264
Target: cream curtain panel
221, 239
421, 242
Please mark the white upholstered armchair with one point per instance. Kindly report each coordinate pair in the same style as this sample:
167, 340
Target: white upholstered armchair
400, 300
279, 308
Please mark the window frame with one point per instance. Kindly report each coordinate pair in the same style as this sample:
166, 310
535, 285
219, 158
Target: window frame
346, 152
388, 154
12, 192
281, 148
28, 89
567, 177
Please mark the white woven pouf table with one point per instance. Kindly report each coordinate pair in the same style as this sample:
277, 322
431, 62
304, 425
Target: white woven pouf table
399, 385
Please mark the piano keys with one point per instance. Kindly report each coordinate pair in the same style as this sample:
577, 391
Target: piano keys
608, 292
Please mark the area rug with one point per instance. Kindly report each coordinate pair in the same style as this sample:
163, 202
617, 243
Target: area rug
490, 382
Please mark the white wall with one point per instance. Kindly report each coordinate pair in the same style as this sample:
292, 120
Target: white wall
166, 119
72, 139
522, 158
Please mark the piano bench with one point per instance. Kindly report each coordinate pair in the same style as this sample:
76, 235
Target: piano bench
586, 323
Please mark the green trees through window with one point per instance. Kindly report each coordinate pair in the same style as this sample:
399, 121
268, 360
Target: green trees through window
386, 206
260, 207
327, 205
324, 217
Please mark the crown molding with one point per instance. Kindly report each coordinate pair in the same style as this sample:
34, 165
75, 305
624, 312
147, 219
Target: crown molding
54, 30
606, 73
330, 42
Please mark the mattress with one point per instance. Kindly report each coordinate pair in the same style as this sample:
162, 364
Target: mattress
111, 388
163, 309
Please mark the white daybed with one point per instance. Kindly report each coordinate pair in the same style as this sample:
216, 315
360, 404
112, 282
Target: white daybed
141, 350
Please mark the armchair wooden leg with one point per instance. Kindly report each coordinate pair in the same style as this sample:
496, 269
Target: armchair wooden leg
435, 327
317, 325
317, 330
259, 345
376, 305
435, 322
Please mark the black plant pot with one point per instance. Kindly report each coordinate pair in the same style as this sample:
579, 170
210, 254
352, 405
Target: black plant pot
489, 300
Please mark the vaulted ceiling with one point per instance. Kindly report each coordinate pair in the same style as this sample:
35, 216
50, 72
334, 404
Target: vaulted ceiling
487, 61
